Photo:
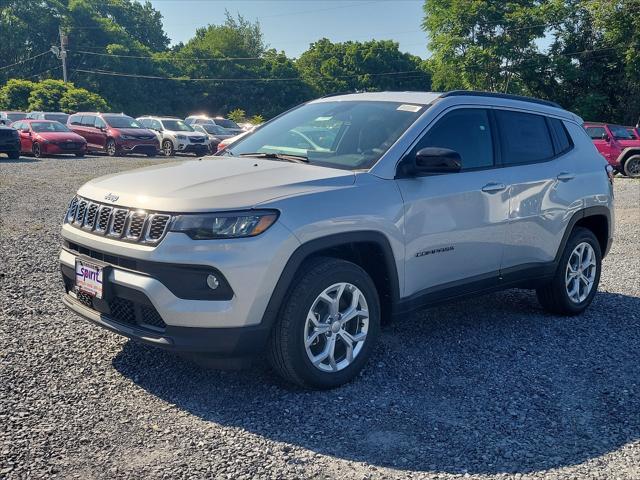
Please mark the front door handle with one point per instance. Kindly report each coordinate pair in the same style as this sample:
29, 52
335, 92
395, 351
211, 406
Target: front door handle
566, 176
494, 187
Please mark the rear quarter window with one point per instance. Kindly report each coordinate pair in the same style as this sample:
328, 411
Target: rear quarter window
560, 135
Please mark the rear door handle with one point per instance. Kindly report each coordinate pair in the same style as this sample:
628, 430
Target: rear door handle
566, 176
494, 187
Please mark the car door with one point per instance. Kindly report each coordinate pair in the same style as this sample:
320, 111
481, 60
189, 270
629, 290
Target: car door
536, 157
25, 136
455, 224
100, 132
601, 140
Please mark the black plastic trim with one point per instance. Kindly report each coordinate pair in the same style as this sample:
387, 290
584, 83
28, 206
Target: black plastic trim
188, 282
473, 93
306, 250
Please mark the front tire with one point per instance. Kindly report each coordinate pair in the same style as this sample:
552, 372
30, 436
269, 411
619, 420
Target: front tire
632, 167
167, 148
328, 325
111, 148
577, 277
36, 150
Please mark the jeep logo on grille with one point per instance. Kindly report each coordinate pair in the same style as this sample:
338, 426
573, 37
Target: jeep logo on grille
111, 197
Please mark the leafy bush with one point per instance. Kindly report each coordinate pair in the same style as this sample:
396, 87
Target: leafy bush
15, 94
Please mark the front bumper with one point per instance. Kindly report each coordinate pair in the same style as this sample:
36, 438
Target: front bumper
162, 311
62, 149
223, 342
139, 146
9, 145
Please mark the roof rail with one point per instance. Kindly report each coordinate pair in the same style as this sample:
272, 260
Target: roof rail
335, 94
473, 93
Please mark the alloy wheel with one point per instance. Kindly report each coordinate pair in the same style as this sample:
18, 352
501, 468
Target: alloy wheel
36, 150
633, 167
581, 272
167, 148
111, 148
336, 327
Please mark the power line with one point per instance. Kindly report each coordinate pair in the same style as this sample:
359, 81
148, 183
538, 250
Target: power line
25, 60
285, 79
149, 57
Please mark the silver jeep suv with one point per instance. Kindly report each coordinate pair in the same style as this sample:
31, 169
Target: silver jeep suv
303, 236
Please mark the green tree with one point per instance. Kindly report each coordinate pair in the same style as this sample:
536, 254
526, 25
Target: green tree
15, 94
361, 66
256, 119
238, 115
46, 95
79, 99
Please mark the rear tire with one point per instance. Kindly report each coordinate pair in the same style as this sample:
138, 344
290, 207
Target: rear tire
79, 155
632, 166
332, 304
576, 280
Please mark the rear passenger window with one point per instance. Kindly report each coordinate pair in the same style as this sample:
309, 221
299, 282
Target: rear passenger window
465, 130
99, 123
524, 137
596, 133
75, 119
561, 136
88, 120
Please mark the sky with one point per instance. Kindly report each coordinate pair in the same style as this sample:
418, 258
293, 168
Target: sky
291, 25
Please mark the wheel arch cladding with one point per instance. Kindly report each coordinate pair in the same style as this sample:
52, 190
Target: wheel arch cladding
370, 250
597, 219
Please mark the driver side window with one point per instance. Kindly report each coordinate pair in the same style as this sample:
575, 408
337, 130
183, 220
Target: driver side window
465, 130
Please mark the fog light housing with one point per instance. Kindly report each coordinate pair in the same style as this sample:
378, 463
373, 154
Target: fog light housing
212, 282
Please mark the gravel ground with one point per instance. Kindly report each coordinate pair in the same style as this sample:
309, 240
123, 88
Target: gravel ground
487, 388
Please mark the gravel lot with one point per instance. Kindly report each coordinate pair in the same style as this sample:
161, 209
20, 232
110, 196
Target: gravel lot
486, 388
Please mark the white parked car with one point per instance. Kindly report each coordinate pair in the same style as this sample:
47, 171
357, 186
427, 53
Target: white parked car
176, 136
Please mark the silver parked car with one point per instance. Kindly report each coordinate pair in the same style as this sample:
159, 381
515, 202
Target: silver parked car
176, 136
300, 247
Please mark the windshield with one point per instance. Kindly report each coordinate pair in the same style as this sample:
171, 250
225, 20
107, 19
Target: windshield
620, 133
176, 126
216, 130
14, 117
58, 117
349, 135
223, 122
121, 121
48, 127
632, 132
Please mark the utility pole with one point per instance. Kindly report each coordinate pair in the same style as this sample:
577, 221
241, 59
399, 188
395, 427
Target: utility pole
63, 53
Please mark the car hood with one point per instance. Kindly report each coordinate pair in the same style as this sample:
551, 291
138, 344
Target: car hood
213, 183
135, 131
60, 136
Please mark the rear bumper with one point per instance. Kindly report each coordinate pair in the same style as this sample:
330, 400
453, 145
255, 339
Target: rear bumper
223, 342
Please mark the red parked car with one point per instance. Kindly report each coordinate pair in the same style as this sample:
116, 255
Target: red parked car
48, 137
618, 146
114, 133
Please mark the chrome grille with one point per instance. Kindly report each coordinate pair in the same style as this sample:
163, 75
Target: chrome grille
90, 218
103, 219
130, 225
119, 219
80, 212
136, 224
157, 225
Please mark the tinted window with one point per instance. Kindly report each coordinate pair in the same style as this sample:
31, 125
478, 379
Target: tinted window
563, 141
75, 119
524, 137
620, 133
16, 116
466, 131
88, 120
121, 121
58, 117
596, 133
48, 127
225, 123
176, 126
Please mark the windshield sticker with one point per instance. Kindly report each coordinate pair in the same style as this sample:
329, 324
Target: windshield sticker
409, 108
323, 119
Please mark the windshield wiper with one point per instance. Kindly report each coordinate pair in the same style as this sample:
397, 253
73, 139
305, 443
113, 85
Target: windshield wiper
277, 156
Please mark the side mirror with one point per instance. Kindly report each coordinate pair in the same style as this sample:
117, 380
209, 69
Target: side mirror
605, 137
437, 160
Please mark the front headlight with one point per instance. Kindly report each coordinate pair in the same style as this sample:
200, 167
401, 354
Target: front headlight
181, 137
127, 137
210, 226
